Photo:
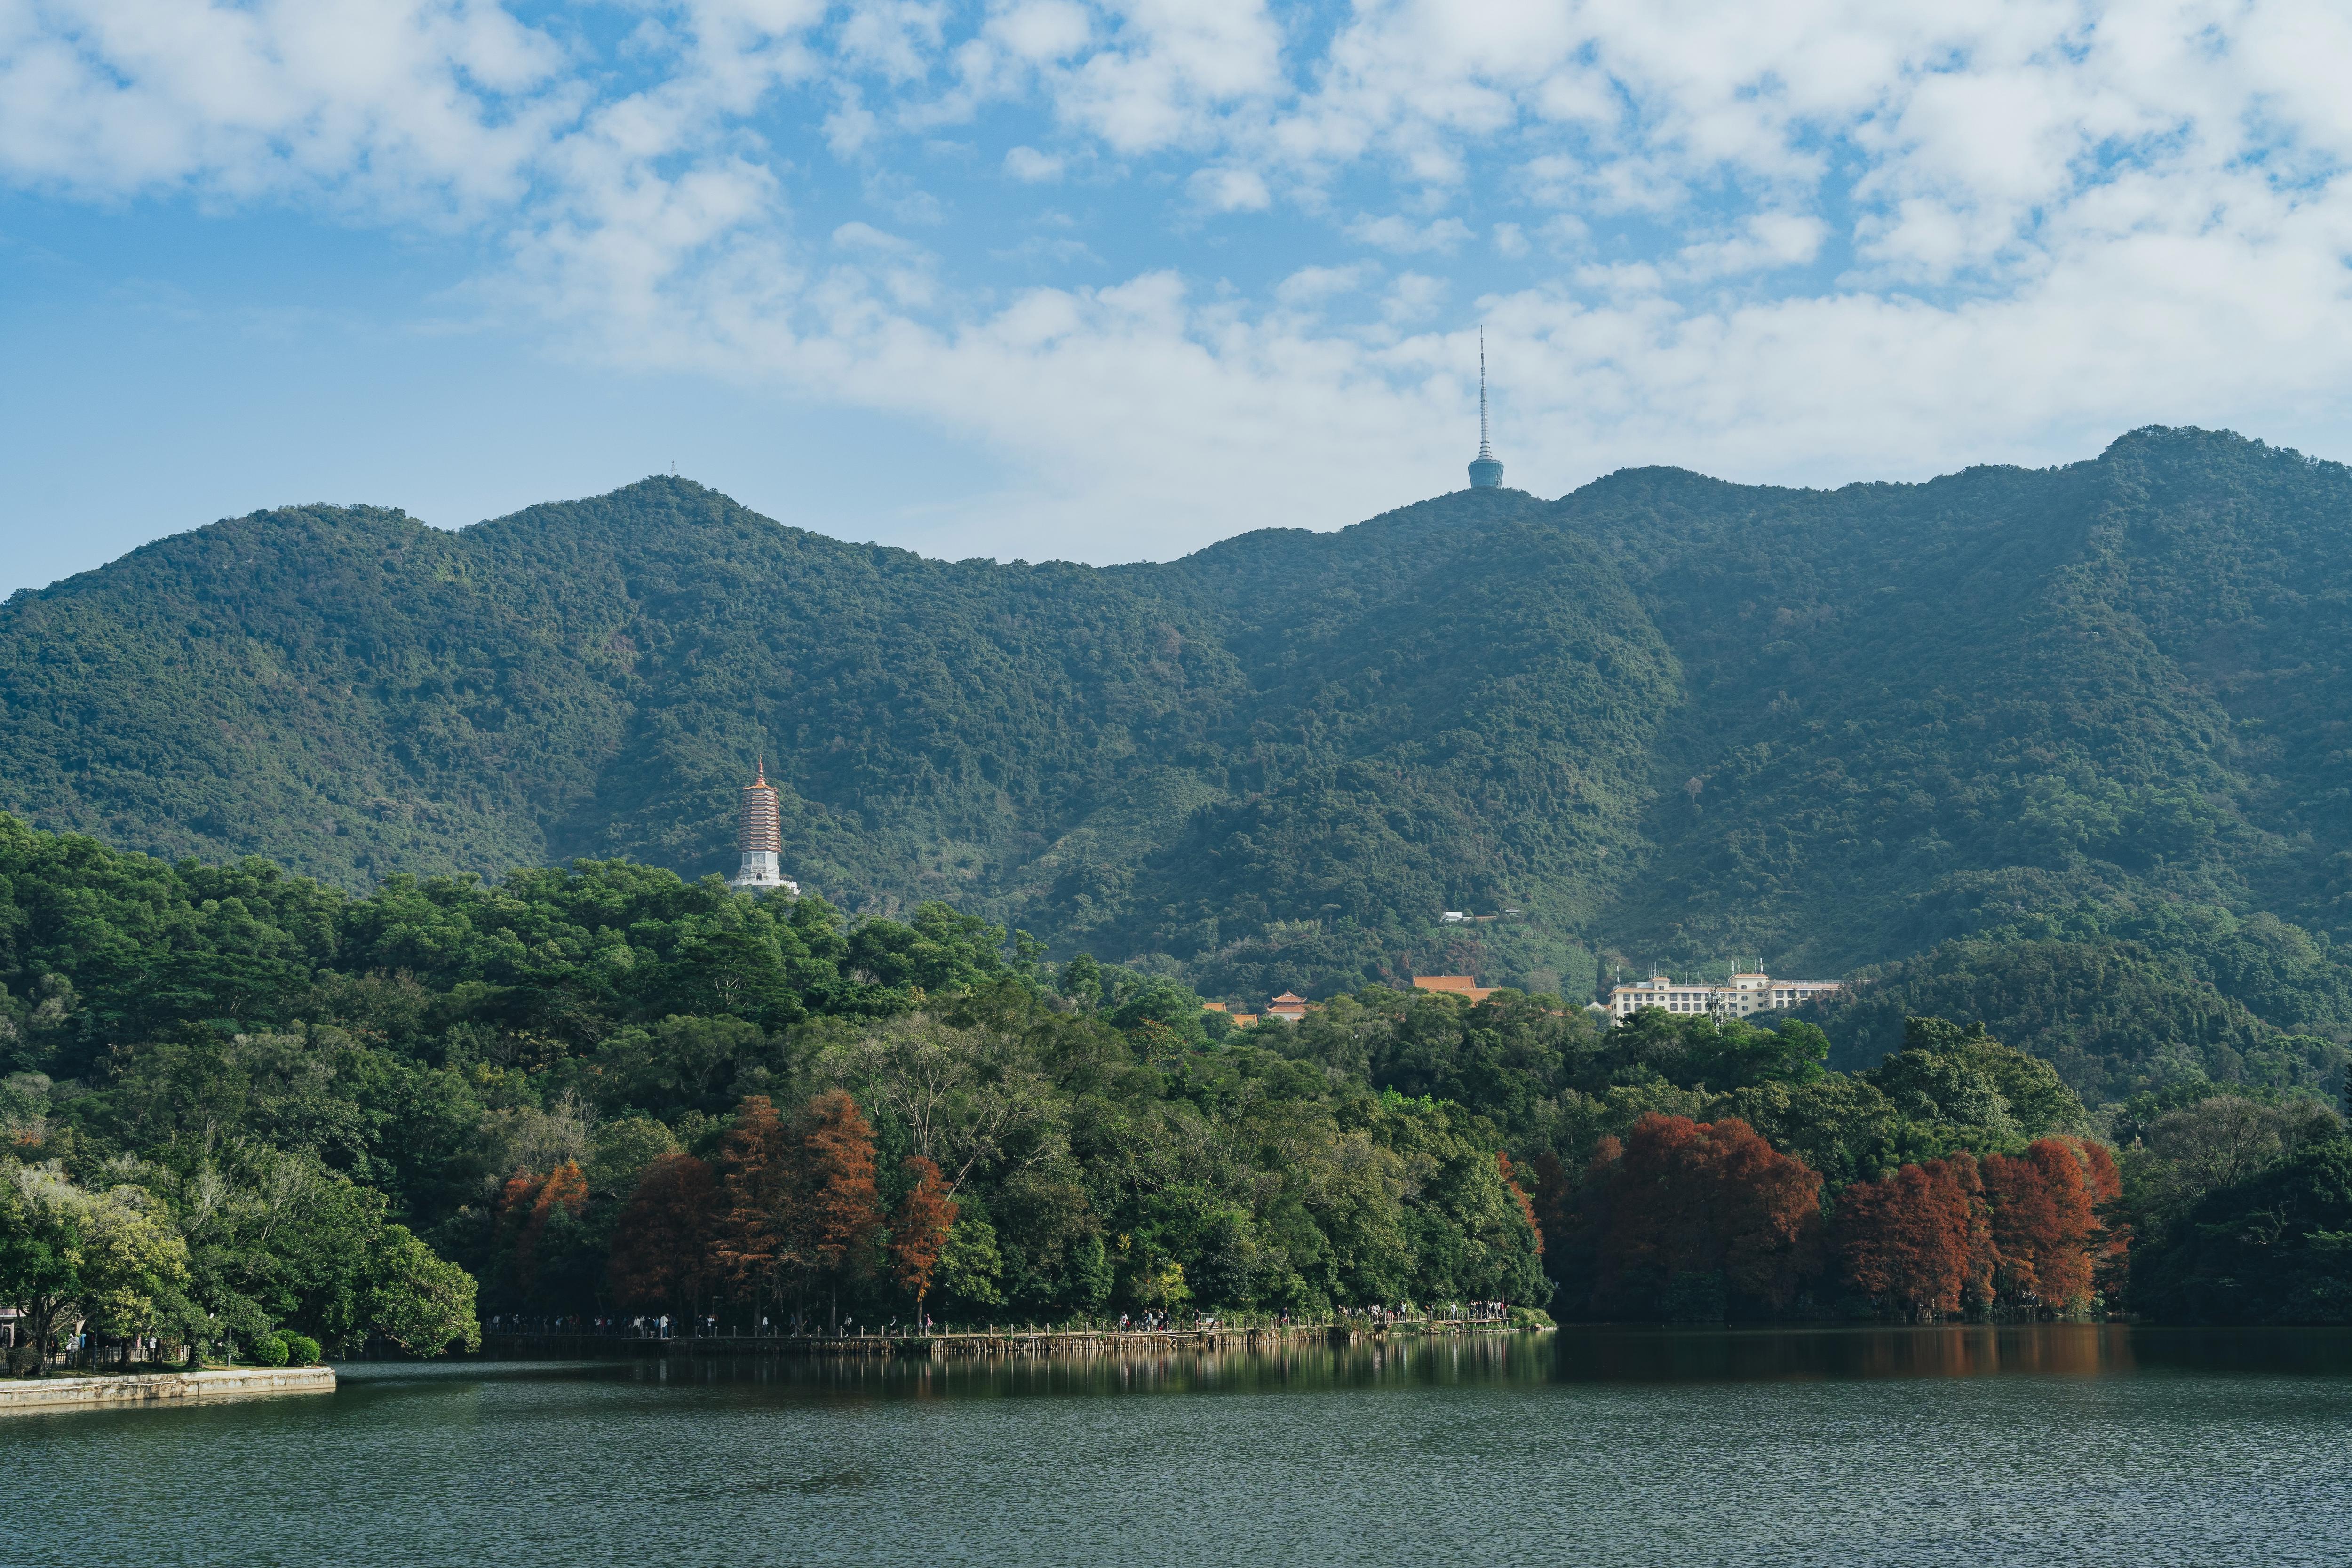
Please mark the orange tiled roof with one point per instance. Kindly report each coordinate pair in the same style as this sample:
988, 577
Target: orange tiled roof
1456, 986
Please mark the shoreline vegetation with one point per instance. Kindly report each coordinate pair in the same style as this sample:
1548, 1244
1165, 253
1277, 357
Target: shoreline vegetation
243, 1111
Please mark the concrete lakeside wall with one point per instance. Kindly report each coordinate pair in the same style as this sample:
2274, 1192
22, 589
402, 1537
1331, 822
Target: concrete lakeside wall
64, 1392
1001, 1342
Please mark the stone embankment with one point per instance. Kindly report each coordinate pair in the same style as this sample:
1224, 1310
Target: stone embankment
26, 1393
990, 1343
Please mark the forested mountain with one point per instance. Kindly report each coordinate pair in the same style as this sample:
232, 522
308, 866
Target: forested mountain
1669, 719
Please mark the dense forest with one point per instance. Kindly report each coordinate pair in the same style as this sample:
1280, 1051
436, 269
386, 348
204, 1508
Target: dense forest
1665, 720
2050, 764
240, 1102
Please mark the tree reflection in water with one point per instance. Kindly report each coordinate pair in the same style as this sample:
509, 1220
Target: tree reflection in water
1602, 1354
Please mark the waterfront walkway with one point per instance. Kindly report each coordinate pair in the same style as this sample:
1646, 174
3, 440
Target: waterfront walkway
986, 1341
61, 1389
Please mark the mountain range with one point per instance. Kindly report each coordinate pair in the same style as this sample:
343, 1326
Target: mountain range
1918, 732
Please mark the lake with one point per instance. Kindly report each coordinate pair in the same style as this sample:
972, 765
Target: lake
2058, 1445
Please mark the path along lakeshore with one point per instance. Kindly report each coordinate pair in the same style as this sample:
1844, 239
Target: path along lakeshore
63, 1390
985, 1341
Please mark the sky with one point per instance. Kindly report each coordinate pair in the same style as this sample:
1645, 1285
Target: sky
1104, 281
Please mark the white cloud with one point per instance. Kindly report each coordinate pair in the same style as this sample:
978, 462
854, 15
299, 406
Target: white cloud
1042, 30
1406, 238
2055, 218
1414, 297
1032, 167
1764, 242
1313, 285
416, 105
1231, 191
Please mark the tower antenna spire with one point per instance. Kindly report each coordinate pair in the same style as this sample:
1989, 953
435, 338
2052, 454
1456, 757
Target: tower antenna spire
1486, 468
1484, 449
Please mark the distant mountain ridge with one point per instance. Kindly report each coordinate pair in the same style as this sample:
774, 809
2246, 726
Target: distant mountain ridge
1667, 719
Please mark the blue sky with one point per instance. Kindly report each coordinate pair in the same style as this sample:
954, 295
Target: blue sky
1105, 281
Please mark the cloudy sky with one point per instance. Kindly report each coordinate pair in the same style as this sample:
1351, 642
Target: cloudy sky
1103, 280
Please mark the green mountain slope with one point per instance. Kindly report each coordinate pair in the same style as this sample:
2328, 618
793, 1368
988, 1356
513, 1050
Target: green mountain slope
1666, 719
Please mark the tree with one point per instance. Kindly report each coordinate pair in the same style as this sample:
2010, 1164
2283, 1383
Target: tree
920, 1228
661, 1244
40, 1256
758, 1205
969, 1263
527, 1204
1520, 1196
1681, 1203
1919, 1238
2274, 1247
1553, 1200
135, 1265
842, 1211
108, 1257
962, 1095
273, 1237
2222, 1140
2042, 1225
415, 1301
1928, 1087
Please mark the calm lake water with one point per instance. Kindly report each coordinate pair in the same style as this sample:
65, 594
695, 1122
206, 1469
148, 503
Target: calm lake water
2048, 1445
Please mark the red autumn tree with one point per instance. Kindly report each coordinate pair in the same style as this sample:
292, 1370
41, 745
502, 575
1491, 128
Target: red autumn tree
1701, 1198
661, 1245
526, 1203
919, 1230
1918, 1239
2042, 1223
760, 1180
841, 1211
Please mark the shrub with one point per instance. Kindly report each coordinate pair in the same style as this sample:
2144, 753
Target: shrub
301, 1349
267, 1349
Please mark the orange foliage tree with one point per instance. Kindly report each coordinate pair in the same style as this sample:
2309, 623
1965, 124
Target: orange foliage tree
1919, 1238
1706, 1199
526, 1203
918, 1229
760, 1179
841, 1211
661, 1246
2042, 1223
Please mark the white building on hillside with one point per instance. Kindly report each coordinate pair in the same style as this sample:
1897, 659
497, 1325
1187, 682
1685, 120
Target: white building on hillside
1734, 998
